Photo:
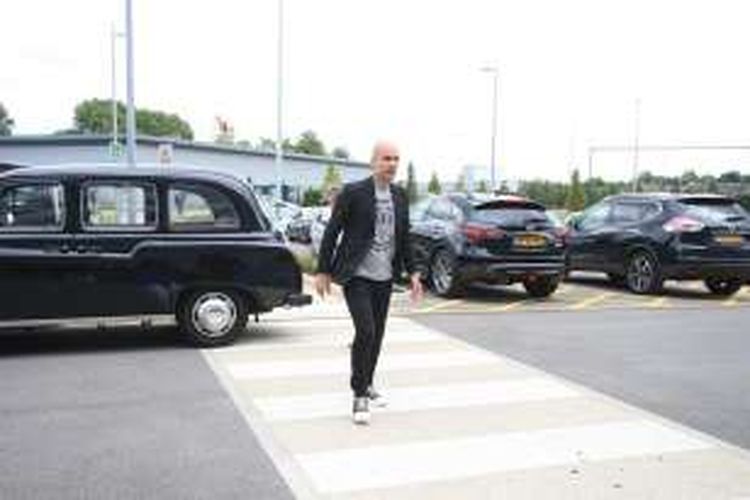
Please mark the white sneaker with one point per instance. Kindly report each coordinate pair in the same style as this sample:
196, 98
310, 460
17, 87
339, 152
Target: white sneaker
376, 399
361, 411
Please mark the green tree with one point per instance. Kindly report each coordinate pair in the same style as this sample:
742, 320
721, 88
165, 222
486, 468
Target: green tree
309, 144
689, 182
331, 179
461, 183
731, 176
6, 122
411, 183
94, 116
269, 145
576, 198
161, 124
340, 152
312, 197
434, 186
483, 187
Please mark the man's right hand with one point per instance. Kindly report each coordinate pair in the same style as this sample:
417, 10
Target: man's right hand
323, 284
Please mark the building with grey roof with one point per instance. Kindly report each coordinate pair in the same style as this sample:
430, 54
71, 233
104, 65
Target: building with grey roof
298, 173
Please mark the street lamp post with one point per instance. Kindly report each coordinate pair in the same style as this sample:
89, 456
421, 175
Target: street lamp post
114, 34
279, 100
495, 77
130, 117
636, 143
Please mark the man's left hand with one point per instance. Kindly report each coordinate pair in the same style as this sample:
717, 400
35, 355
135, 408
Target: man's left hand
416, 287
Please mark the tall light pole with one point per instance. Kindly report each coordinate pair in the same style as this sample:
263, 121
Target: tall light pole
279, 100
130, 117
114, 34
636, 143
495, 76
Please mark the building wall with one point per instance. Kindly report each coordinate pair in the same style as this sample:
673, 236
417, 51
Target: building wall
298, 173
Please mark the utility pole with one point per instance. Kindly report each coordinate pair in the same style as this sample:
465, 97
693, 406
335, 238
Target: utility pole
636, 141
495, 76
279, 101
130, 117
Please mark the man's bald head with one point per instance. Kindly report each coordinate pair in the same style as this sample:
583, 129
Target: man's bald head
385, 159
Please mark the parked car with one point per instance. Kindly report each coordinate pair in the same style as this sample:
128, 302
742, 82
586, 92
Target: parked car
298, 229
640, 240
97, 241
462, 239
318, 227
281, 212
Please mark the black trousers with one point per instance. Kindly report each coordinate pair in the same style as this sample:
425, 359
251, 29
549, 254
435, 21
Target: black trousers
368, 302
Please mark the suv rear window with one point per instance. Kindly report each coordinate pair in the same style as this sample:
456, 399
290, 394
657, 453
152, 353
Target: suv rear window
513, 217
714, 210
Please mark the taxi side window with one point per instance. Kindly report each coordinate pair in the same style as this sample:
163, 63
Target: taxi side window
32, 206
197, 207
118, 205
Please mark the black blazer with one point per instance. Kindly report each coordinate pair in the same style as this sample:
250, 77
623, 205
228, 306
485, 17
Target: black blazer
353, 217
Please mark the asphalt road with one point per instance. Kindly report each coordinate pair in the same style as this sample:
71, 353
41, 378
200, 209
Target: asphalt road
121, 414
688, 365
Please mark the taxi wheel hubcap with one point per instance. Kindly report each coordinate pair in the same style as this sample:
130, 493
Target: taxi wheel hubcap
214, 314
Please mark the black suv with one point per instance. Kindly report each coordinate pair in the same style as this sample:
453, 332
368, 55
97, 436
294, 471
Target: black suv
640, 240
459, 239
112, 241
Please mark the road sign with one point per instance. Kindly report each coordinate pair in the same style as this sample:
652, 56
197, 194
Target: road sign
116, 149
164, 153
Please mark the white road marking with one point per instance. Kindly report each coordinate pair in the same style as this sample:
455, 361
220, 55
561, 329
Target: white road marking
387, 466
334, 365
458, 395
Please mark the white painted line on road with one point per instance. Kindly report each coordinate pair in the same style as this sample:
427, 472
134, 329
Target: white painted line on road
418, 398
417, 336
387, 466
335, 365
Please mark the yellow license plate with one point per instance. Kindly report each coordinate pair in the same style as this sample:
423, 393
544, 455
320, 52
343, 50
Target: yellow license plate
529, 241
729, 239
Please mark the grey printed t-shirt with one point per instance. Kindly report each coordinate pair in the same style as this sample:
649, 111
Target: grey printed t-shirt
378, 262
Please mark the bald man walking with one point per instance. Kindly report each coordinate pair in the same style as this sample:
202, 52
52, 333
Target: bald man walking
372, 216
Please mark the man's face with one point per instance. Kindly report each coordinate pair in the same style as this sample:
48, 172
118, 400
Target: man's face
385, 162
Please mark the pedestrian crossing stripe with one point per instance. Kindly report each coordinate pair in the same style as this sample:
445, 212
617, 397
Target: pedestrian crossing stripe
340, 364
408, 463
418, 398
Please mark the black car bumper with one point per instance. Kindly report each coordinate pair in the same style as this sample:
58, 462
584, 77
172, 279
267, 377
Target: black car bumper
697, 268
298, 300
492, 271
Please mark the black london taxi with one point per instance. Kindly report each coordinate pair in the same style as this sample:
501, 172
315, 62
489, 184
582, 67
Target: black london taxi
104, 241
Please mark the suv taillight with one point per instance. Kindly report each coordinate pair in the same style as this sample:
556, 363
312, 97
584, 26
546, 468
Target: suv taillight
477, 233
683, 224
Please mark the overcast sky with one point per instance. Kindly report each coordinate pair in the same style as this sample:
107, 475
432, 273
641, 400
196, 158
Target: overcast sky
356, 70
